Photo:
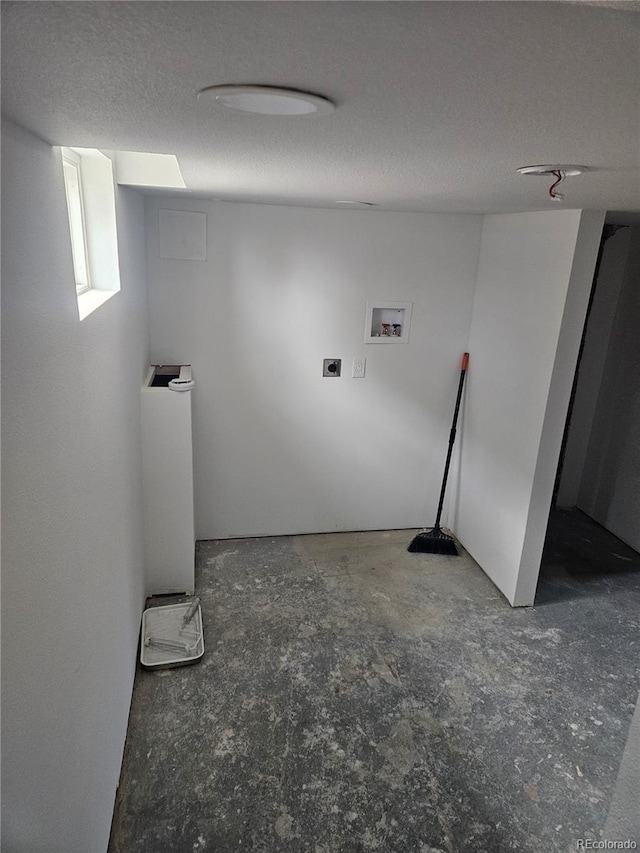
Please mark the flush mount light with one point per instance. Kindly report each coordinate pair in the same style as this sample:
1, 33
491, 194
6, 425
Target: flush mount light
268, 100
569, 171
359, 203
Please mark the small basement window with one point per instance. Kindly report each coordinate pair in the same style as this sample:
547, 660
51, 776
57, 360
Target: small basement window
77, 226
91, 207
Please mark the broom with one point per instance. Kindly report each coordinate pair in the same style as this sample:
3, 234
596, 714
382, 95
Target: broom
434, 541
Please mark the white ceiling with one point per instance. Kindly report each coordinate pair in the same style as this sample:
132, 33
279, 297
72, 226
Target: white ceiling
438, 103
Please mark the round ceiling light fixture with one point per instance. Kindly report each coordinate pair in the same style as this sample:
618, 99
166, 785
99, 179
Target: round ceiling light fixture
268, 100
569, 171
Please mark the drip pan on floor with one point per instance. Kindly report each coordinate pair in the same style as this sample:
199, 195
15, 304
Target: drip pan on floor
164, 642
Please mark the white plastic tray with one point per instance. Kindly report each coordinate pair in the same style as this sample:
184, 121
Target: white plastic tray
165, 623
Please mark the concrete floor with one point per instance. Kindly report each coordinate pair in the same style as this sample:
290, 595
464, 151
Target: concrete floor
354, 697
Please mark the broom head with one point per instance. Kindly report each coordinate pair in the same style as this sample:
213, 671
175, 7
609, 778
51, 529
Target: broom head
433, 541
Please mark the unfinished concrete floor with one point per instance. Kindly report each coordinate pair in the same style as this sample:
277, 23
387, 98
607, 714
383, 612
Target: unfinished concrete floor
354, 697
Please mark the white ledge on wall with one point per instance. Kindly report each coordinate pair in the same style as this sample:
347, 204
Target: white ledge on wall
92, 299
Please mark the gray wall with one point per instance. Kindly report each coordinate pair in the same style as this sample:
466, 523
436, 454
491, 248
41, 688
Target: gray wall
532, 289
72, 584
279, 449
623, 820
594, 355
610, 485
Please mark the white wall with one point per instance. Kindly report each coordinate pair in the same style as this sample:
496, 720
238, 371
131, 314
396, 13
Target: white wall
623, 819
592, 363
167, 490
72, 586
277, 448
610, 484
533, 283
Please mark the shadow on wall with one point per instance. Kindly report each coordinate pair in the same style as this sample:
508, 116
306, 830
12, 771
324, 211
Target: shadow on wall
610, 487
583, 559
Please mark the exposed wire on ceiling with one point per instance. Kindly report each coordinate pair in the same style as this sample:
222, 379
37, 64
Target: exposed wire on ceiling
560, 176
560, 173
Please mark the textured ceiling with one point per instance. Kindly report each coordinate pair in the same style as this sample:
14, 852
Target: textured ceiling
438, 102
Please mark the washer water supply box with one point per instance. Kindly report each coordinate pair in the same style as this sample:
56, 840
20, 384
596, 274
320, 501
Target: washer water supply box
171, 635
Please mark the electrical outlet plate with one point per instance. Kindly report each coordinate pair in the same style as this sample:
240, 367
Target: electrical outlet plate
331, 367
358, 369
